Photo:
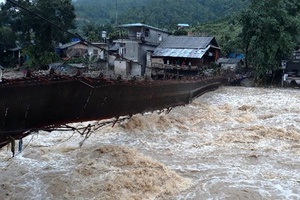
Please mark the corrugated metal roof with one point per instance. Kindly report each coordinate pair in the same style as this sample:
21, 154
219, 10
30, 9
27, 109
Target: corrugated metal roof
114, 47
67, 45
141, 25
15, 49
180, 53
186, 42
183, 25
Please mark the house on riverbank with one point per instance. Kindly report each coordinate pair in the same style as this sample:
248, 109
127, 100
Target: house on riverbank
186, 54
133, 47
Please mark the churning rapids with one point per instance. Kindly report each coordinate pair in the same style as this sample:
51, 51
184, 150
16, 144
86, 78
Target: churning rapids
233, 143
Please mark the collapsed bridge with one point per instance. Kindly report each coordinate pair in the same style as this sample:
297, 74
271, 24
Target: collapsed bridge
36, 103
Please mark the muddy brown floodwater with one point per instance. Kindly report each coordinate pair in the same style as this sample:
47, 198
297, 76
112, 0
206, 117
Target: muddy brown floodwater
233, 143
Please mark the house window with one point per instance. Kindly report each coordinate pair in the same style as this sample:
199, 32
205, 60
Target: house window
138, 35
95, 51
122, 51
147, 30
160, 37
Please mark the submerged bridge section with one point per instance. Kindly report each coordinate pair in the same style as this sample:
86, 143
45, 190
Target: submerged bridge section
35, 103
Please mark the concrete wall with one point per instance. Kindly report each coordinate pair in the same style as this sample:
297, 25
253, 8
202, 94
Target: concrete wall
144, 48
131, 51
136, 70
149, 35
135, 48
126, 69
121, 68
156, 37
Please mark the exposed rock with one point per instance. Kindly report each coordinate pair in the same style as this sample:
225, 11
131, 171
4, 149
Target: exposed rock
248, 82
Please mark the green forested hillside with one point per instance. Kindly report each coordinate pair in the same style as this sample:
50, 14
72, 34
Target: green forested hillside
159, 13
266, 31
206, 17
103, 11
168, 13
93, 16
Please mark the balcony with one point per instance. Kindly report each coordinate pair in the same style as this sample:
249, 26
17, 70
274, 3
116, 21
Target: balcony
172, 67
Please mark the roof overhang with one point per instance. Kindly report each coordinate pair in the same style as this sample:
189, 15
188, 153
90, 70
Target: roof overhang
180, 53
15, 49
142, 25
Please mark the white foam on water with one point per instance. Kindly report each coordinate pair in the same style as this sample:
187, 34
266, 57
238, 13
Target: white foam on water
233, 143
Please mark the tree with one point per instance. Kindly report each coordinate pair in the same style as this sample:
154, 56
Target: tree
158, 13
7, 41
93, 32
38, 37
59, 12
7, 38
269, 30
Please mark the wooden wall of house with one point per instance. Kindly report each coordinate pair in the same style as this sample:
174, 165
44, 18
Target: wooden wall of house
76, 50
158, 60
79, 46
192, 62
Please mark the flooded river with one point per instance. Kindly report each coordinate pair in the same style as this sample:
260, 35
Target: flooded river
233, 143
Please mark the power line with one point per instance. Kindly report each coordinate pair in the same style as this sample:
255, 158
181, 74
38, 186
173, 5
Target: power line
60, 28
53, 24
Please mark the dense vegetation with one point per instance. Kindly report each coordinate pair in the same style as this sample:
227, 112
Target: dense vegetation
227, 32
266, 31
159, 13
270, 29
104, 11
36, 37
94, 16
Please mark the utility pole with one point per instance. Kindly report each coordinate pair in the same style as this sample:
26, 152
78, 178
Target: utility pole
116, 12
